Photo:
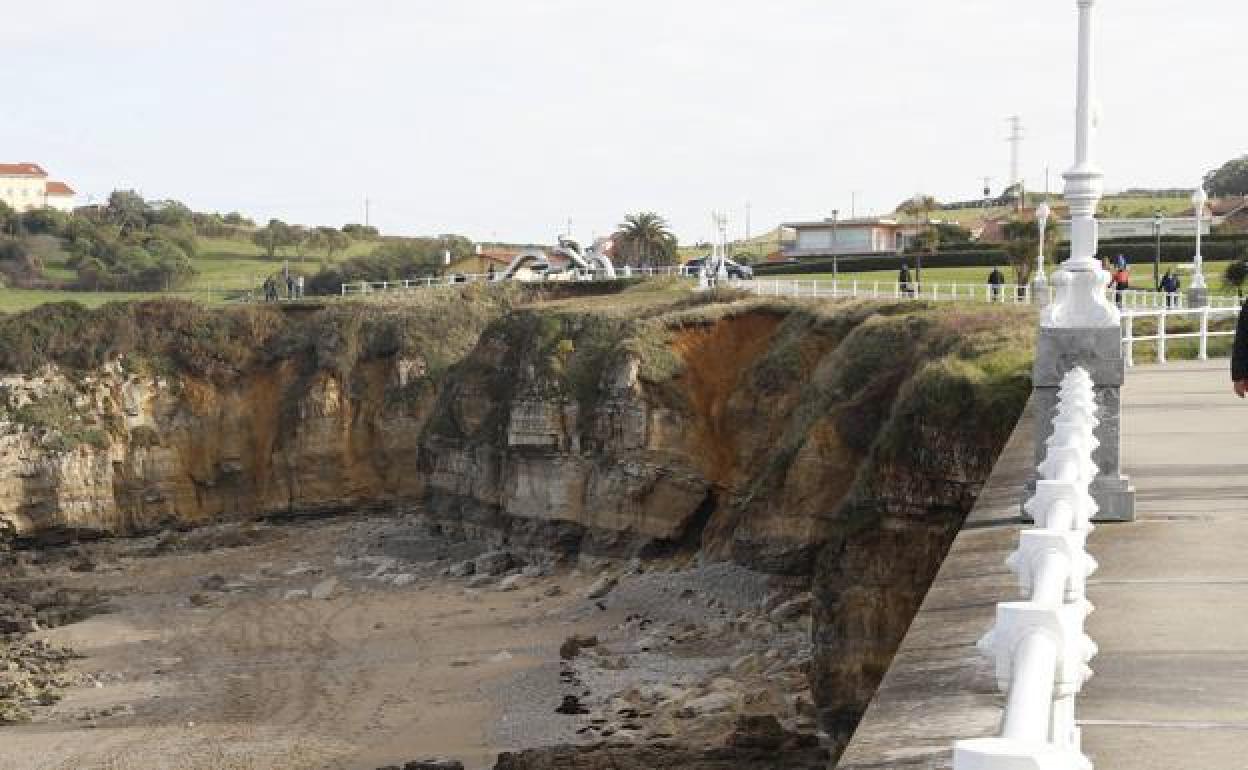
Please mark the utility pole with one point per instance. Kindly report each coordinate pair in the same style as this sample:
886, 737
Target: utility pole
1015, 140
367, 204
853, 204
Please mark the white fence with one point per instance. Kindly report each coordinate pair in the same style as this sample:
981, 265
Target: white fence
944, 291
1038, 644
1161, 336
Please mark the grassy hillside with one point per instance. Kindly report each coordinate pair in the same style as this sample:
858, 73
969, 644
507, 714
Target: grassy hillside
225, 266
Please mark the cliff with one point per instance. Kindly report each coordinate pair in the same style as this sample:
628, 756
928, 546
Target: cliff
840, 441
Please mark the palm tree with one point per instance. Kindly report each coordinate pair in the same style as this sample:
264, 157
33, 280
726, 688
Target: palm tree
646, 238
918, 205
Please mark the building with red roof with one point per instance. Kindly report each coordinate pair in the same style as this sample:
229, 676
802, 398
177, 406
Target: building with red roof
25, 186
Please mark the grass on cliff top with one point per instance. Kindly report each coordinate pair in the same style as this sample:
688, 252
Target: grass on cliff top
167, 336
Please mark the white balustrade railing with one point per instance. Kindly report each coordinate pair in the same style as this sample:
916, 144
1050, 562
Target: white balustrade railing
1038, 644
1163, 334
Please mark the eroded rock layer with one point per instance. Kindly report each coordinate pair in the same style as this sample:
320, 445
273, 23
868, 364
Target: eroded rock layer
839, 441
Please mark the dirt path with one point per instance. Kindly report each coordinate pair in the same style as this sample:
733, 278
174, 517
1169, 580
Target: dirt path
376, 674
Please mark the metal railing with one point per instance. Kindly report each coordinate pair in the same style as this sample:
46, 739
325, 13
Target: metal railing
951, 291
1038, 644
1162, 336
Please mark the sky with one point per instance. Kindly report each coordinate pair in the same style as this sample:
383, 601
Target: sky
502, 120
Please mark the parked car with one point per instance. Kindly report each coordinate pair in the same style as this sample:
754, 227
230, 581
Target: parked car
735, 269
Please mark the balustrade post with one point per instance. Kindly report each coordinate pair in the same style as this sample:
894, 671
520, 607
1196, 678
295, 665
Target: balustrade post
1203, 353
1161, 337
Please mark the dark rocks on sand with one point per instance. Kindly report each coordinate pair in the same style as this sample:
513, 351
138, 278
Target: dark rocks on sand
572, 646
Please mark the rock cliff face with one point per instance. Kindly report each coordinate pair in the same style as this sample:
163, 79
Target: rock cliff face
841, 442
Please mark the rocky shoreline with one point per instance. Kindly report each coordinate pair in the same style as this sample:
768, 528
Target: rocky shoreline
708, 662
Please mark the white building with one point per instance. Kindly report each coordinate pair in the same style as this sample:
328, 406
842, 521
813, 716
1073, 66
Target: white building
25, 186
865, 235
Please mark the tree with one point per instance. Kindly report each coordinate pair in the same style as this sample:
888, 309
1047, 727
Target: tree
1236, 274
328, 239
1022, 243
274, 237
1229, 179
171, 213
9, 219
127, 210
44, 221
645, 240
918, 206
361, 232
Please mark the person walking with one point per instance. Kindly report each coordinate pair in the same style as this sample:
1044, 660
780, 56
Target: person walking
299, 286
290, 286
1170, 287
1119, 281
996, 279
903, 280
1239, 354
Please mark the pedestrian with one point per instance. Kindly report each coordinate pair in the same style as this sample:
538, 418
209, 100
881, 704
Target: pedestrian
1170, 287
299, 286
903, 280
290, 286
491, 274
1239, 354
1119, 281
996, 279
268, 289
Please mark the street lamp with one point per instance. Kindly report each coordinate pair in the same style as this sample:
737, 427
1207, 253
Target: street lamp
1040, 284
1081, 302
1198, 295
1157, 220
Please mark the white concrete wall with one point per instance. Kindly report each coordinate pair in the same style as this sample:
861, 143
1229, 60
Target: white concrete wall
1143, 228
61, 202
23, 192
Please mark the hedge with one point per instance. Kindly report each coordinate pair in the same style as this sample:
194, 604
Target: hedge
1180, 250
1174, 251
861, 263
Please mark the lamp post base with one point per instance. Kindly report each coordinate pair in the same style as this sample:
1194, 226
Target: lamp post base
1040, 290
1198, 296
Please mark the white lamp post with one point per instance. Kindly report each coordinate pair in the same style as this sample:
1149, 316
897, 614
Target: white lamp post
1198, 294
1040, 283
1080, 284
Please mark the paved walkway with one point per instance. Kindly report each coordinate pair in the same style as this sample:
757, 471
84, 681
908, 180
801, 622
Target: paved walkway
1171, 684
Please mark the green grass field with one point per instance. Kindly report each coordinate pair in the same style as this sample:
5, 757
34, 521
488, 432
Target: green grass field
17, 300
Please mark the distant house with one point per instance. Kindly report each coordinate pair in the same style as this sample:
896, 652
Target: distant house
25, 186
1233, 213
869, 235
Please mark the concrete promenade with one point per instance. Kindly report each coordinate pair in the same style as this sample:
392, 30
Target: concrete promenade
1171, 683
